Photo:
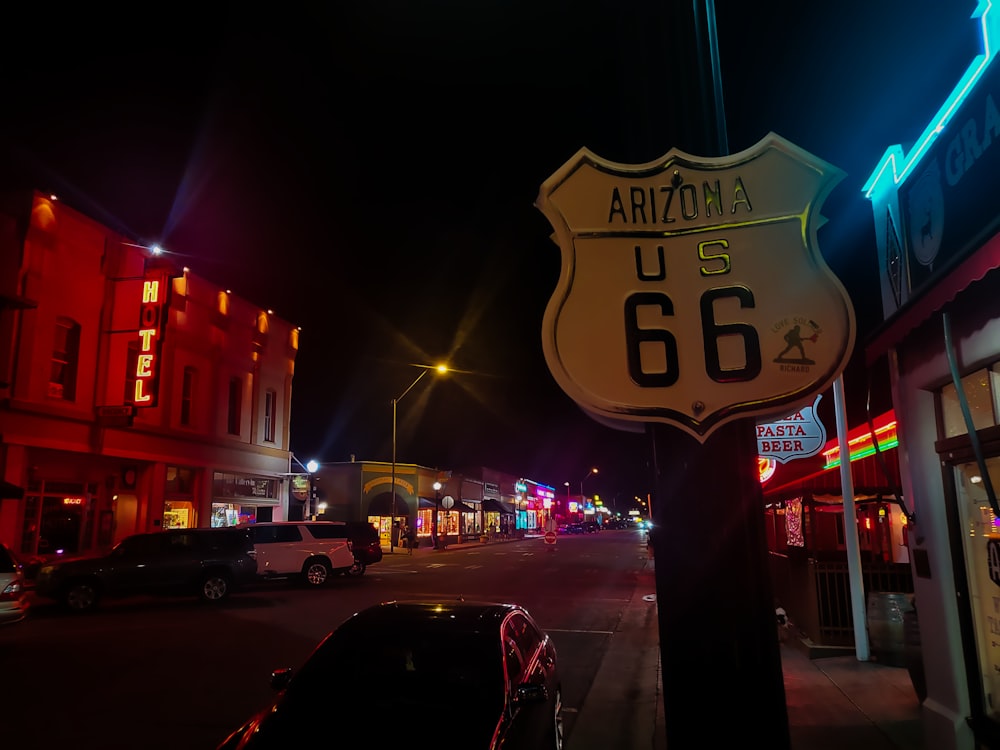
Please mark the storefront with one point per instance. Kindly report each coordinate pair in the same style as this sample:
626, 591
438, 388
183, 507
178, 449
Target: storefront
243, 498
936, 224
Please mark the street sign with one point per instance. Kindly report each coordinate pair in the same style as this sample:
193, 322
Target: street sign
692, 289
447, 502
797, 435
550, 537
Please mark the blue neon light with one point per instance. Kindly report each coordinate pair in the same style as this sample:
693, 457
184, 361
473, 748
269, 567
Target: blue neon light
897, 166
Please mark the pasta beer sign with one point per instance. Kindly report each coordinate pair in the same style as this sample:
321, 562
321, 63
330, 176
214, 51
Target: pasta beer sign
692, 289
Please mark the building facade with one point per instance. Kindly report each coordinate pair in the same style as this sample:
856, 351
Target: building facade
938, 231
457, 506
134, 394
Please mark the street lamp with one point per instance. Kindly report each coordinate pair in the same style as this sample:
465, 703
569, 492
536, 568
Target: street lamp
586, 476
311, 466
441, 369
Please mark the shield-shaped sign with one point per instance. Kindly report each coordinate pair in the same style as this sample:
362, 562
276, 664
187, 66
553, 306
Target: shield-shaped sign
692, 289
798, 435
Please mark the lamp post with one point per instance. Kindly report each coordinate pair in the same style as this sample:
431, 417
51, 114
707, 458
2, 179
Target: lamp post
437, 511
586, 477
441, 369
311, 466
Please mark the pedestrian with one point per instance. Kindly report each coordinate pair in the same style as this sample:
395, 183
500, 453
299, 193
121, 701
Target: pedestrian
411, 539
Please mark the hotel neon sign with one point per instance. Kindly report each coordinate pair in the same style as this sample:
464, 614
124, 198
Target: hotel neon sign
151, 325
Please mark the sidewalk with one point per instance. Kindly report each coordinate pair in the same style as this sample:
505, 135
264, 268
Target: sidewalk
833, 702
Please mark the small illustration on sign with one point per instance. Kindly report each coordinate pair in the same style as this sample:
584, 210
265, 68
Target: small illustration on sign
795, 339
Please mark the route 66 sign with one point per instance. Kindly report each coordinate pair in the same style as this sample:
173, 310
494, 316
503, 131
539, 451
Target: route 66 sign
692, 289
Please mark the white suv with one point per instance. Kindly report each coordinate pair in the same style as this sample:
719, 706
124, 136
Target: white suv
314, 550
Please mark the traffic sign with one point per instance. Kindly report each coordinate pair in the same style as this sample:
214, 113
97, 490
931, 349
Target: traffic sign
692, 289
550, 537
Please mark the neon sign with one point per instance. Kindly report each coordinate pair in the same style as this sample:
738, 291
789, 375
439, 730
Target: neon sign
895, 166
860, 442
151, 325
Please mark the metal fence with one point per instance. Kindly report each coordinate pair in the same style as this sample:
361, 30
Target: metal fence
816, 594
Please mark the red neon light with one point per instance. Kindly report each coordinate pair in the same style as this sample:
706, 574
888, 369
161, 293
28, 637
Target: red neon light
860, 438
150, 339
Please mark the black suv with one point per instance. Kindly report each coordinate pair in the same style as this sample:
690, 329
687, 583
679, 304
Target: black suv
209, 563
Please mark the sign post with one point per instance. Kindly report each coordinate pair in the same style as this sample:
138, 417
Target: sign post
693, 302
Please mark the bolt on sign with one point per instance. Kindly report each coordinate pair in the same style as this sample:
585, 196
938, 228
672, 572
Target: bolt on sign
692, 289
152, 309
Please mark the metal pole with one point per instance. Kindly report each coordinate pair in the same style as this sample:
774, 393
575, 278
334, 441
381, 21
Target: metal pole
855, 574
392, 499
392, 486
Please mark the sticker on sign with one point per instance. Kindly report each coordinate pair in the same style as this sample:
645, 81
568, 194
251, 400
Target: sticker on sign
692, 289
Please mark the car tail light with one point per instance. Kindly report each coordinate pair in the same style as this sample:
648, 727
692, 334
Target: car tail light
11, 591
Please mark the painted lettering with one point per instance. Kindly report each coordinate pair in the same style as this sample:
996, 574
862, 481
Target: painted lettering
651, 205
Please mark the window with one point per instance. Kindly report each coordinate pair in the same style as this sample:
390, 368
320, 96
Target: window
270, 414
65, 358
180, 481
235, 406
187, 395
276, 534
980, 388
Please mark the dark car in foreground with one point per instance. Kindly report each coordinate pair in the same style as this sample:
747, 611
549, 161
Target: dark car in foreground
208, 563
452, 675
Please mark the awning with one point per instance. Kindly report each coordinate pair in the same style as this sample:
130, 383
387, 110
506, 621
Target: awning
460, 507
867, 477
916, 311
426, 502
497, 507
12, 491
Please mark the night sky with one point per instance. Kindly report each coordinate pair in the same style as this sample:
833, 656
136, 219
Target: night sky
368, 171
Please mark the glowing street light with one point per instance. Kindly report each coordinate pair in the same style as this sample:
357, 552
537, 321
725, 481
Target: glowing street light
441, 370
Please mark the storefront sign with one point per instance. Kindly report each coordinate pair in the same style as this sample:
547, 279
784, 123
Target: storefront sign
152, 312
692, 289
798, 435
934, 204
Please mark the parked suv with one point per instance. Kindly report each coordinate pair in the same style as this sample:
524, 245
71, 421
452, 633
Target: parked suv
210, 563
312, 550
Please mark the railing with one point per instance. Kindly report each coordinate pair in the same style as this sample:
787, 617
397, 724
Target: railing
816, 594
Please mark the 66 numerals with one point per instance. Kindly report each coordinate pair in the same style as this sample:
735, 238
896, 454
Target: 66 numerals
711, 332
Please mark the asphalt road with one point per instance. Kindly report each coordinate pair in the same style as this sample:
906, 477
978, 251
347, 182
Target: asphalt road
168, 673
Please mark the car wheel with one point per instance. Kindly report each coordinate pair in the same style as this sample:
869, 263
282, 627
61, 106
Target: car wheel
317, 572
81, 597
358, 569
558, 721
214, 587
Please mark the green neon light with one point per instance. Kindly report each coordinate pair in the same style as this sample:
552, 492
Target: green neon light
864, 452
